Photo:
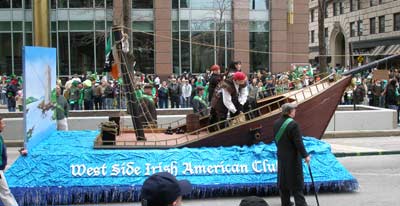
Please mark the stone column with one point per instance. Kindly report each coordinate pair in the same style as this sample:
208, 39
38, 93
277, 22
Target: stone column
240, 17
289, 42
41, 22
162, 38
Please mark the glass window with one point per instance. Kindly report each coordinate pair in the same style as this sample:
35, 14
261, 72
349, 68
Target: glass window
359, 27
80, 3
17, 39
229, 41
335, 8
202, 4
381, 24
100, 25
312, 15
372, 25
99, 3
220, 42
259, 4
184, 25
259, 42
143, 49
202, 25
81, 25
312, 36
142, 4
396, 22
63, 52
326, 35
202, 55
142, 26
62, 25
17, 25
53, 4
352, 29
5, 4
100, 50
82, 54
53, 39
326, 10
341, 7
28, 39
5, 53
62, 4
258, 26
354, 5
184, 4
175, 52
373, 2
28, 4
5, 26
109, 3
53, 26
185, 52
28, 26
16, 3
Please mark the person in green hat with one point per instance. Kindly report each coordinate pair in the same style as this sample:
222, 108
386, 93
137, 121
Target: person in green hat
74, 96
199, 104
87, 95
148, 107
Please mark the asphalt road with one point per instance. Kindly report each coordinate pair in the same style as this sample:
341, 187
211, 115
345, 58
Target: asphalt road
378, 176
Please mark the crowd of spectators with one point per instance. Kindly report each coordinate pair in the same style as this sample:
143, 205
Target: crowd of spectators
97, 92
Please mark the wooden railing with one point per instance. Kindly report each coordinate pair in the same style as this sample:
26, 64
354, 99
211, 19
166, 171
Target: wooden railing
297, 97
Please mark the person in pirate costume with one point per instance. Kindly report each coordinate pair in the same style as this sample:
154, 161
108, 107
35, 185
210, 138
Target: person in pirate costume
229, 98
199, 104
148, 107
214, 80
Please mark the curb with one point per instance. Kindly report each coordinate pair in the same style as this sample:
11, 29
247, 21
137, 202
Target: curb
352, 154
14, 143
361, 133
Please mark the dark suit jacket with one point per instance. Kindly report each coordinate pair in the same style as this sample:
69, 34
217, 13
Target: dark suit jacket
290, 153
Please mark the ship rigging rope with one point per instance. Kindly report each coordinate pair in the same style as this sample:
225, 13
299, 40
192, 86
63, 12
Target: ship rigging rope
145, 112
249, 50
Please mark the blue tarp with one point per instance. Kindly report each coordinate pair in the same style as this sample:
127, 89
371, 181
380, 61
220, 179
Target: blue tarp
66, 169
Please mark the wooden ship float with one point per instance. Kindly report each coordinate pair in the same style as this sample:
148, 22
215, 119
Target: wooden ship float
315, 106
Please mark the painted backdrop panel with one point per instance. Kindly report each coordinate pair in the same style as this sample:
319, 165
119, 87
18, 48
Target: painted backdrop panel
39, 93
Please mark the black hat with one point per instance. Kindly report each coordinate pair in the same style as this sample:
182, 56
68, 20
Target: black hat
253, 201
162, 189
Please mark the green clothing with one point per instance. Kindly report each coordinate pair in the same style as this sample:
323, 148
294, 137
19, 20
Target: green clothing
73, 94
62, 108
148, 97
88, 94
80, 100
199, 105
197, 83
138, 93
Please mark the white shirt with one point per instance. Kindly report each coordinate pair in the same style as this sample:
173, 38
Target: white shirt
186, 90
227, 98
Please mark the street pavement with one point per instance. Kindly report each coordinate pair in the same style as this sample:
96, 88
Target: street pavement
378, 175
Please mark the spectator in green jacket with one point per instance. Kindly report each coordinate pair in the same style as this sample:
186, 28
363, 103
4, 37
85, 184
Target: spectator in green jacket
62, 110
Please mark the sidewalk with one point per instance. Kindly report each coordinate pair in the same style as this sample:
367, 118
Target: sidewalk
361, 146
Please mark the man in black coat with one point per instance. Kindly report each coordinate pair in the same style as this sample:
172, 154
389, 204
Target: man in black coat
290, 153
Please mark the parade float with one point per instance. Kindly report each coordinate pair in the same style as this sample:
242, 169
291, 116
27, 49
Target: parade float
71, 167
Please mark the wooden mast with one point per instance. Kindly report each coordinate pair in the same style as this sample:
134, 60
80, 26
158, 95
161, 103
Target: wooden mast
122, 17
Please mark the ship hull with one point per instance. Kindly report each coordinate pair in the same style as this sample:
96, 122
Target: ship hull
313, 116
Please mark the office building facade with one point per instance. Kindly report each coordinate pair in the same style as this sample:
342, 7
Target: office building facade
168, 36
364, 29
